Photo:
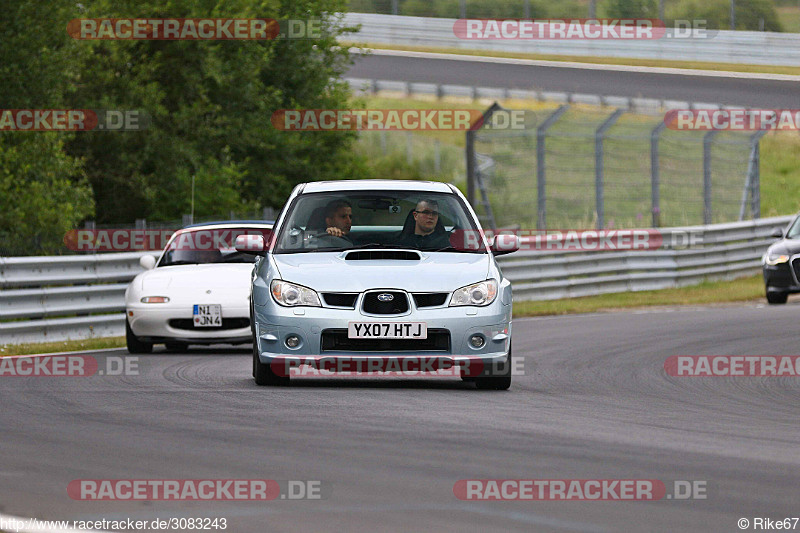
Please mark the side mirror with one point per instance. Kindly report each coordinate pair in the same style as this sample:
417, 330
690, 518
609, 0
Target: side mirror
777, 233
147, 262
505, 244
250, 244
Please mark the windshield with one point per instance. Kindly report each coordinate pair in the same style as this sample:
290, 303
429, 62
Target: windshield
381, 219
794, 231
205, 246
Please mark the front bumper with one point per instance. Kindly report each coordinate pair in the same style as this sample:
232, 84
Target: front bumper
274, 324
151, 323
780, 278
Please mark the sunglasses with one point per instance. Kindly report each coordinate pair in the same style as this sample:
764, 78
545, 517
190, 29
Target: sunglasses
429, 213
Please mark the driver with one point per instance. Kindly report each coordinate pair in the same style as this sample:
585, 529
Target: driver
339, 218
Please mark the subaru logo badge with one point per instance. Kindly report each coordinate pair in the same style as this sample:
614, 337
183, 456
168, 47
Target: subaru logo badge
385, 297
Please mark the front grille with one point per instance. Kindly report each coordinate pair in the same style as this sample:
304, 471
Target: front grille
340, 299
430, 299
375, 255
335, 340
374, 306
796, 268
227, 323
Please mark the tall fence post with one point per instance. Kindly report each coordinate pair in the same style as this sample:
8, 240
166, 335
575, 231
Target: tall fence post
598, 165
541, 178
755, 182
655, 174
708, 139
470, 154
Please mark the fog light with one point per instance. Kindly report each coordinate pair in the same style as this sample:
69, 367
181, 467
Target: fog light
476, 341
292, 341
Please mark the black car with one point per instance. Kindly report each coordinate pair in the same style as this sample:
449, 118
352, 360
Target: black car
781, 264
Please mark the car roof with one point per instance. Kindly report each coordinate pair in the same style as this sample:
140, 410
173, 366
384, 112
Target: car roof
375, 185
227, 224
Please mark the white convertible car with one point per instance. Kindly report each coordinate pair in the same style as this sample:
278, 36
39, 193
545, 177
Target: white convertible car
197, 292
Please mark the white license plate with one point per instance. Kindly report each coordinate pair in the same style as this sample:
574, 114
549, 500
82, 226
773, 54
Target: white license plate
207, 315
387, 330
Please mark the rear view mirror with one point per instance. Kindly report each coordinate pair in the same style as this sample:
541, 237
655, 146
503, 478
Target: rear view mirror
250, 244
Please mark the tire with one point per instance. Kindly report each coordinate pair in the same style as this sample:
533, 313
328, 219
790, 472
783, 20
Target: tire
777, 297
133, 342
263, 373
176, 346
501, 382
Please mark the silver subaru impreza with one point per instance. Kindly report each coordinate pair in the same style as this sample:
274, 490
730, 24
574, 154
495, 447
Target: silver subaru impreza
375, 275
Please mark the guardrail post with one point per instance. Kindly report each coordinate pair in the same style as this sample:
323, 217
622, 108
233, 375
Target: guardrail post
655, 185
141, 223
598, 165
708, 139
755, 181
90, 225
541, 137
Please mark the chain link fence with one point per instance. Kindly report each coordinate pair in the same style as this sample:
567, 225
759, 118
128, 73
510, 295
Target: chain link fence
583, 168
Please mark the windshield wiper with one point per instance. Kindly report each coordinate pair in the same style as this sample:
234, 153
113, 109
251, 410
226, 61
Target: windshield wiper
454, 249
173, 263
382, 246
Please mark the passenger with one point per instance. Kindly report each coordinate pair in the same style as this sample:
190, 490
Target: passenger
427, 231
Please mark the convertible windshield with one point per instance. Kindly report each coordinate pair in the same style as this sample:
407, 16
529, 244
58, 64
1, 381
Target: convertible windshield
411, 220
204, 246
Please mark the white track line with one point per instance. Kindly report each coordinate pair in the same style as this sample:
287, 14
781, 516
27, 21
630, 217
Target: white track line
582, 66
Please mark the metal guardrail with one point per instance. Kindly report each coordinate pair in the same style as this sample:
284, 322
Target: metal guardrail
56, 298
729, 251
646, 106
41, 296
724, 46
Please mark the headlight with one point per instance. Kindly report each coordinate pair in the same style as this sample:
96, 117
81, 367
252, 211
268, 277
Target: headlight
775, 259
482, 293
292, 295
155, 300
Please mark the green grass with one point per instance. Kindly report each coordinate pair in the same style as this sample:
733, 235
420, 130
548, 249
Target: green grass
699, 65
710, 292
789, 17
64, 346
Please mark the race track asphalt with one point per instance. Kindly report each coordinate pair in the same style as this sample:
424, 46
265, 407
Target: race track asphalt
594, 403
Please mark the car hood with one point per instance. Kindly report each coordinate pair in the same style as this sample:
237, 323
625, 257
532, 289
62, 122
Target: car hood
434, 272
212, 276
